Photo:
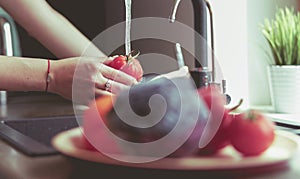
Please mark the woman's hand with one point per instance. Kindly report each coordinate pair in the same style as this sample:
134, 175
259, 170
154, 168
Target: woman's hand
84, 78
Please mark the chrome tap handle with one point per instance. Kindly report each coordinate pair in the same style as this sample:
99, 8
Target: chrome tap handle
224, 90
174, 11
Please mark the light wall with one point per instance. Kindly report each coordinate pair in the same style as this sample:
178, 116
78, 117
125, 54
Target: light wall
230, 18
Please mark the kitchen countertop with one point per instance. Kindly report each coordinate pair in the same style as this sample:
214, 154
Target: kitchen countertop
15, 164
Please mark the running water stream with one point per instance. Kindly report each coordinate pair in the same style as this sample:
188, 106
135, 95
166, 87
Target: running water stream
128, 26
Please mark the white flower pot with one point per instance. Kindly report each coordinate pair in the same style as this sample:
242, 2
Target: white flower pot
285, 88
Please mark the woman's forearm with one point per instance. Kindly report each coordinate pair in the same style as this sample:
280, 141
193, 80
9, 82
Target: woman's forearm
22, 74
53, 30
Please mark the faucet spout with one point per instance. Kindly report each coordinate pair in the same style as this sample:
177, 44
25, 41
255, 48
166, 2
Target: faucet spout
174, 11
201, 72
200, 26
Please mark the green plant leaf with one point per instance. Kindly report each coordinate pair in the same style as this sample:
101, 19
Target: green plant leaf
283, 36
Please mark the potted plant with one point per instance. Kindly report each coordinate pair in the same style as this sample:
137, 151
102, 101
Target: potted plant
283, 37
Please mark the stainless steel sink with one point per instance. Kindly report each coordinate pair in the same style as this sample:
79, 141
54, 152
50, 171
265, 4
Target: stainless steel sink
33, 118
30, 105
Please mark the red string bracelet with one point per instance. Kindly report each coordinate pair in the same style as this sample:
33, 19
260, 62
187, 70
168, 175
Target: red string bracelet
47, 76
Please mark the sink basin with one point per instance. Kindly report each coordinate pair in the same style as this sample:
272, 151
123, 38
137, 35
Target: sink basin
28, 105
33, 118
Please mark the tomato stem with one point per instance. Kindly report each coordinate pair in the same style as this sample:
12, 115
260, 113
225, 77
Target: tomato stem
129, 57
133, 54
236, 106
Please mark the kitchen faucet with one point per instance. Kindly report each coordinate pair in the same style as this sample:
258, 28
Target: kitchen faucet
6, 48
201, 73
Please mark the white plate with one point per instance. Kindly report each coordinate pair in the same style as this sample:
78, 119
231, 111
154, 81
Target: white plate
283, 148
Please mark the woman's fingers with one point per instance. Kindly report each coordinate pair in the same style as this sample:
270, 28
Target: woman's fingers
109, 59
117, 75
110, 85
100, 92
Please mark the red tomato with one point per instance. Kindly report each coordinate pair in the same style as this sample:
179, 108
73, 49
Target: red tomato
118, 62
95, 135
129, 65
251, 133
219, 119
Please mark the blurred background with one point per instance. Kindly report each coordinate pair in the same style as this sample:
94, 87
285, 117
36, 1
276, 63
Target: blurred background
240, 46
